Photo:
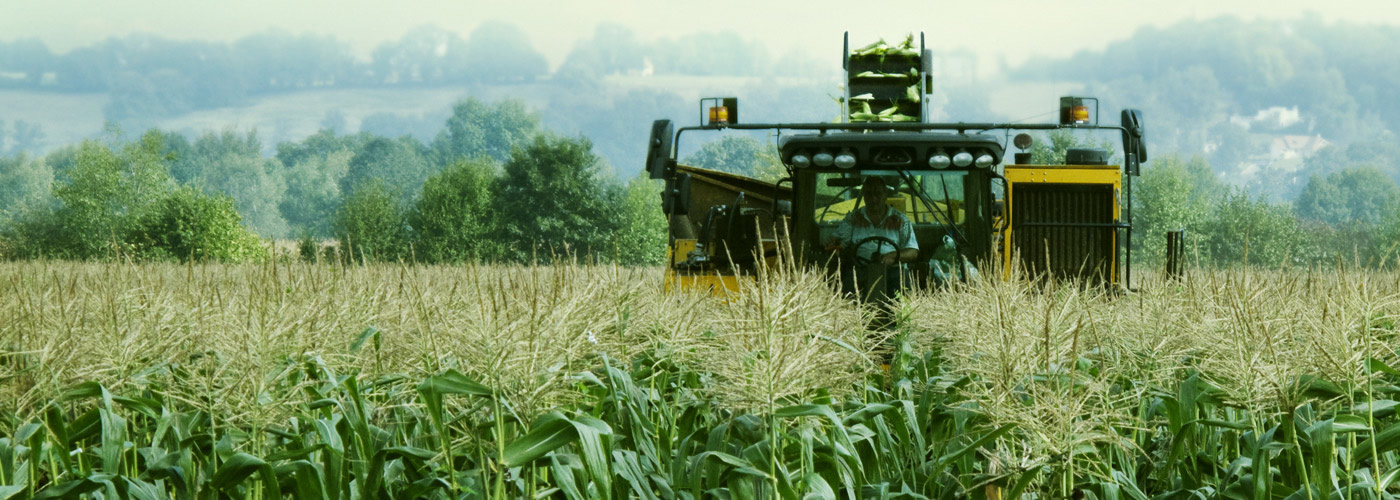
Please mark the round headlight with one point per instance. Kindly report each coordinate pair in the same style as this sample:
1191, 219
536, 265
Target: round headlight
984, 161
962, 159
801, 161
845, 160
823, 159
939, 160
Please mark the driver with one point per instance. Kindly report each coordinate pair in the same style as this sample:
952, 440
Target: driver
871, 229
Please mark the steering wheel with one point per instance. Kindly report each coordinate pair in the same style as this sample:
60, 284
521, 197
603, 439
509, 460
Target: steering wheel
855, 249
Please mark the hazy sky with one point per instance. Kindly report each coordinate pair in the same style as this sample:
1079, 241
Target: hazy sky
994, 29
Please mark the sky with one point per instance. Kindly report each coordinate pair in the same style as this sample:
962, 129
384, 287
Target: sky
1009, 31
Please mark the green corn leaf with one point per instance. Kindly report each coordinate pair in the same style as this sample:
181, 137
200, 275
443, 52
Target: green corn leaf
239, 467
865, 413
1388, 479
306, 479
631, 471
113, 440
817, 488
1350, 423
7, 492
1376, 407
563, 467
1127, 485
76, 487
737, 464
142, 490
1384, 441
1376, 365
549, 432
364, 336
595, 453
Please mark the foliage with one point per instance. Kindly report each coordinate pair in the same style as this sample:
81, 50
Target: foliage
232, 164
741, 155
398, 165
589, 382
1050, 149
100, 198
371, 225
313, 191
25, 184
318, 146
553, 202
1361, 194
454, 218
1253, 232
191, 225
501, 53
641, 230
428, 54
1172, 193
477, 129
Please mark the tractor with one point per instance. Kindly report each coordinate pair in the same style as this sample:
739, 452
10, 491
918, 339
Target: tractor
973, 202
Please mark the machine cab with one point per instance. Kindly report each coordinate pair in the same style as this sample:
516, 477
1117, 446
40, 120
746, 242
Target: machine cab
940, 181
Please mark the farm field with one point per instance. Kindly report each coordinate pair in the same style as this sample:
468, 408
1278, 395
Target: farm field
573, 381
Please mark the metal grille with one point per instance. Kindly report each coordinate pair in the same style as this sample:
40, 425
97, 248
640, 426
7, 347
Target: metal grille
1065, 229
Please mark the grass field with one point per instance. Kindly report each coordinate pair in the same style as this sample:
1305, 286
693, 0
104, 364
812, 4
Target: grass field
319, 381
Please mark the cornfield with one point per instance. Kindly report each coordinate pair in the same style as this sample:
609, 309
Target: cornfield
581, 382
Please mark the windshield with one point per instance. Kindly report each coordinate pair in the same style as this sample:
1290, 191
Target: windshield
941, 203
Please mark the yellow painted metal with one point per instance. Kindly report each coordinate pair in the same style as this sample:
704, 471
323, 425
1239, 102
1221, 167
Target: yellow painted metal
1059, 174
716, 285
678, 251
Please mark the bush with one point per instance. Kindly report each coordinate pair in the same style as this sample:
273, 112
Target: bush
370, 225
1252, 231
189, 225
454, 216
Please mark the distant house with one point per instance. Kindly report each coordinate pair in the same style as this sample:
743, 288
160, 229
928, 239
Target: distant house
1288, 147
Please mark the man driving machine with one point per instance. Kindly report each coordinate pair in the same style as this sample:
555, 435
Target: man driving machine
878, 240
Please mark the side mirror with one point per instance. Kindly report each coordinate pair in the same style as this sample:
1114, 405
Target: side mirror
1133, 134
659, 163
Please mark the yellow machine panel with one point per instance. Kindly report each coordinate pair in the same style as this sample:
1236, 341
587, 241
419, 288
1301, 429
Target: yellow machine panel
1064, 220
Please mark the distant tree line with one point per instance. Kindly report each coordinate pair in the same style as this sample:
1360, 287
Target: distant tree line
1225, 88
1351, 218
492, 186
152, 77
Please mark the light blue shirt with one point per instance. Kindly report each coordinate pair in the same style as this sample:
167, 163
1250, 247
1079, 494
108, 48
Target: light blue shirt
894, 225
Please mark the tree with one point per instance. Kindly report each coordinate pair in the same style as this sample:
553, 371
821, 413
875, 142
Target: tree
313, 193
640, 238
614, 49
428, 54
1171, 194
320, 146
552, 198
501, 53
25, 185
1252, 231
1050, 149
477, 129
99, 199
232, 164
370, 224
454, 217
191, 225
400, 164
742, 155
1360, 194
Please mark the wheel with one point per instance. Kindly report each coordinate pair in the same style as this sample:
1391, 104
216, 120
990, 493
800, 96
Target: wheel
881, 240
